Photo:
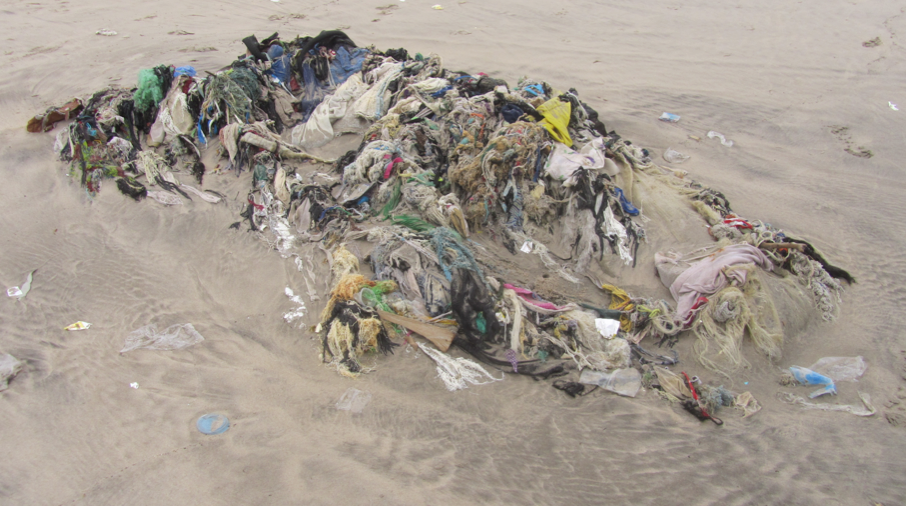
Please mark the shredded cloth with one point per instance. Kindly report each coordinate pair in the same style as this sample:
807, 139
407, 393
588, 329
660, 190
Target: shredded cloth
174, 337
457, 373
709, 275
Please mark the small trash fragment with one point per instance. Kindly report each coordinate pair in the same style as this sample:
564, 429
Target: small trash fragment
105, 32
457, 373
353, 400
674, 156
9, 368
875, 42
669, 117
299, 311
810, 377
167, 199
840, 368
21, 292
868, 410
437, 7
747, 403
625, 382
213, 424
78, 326
526, 247
133, 385
695, 138
723, 140
608, 328
893, 106
174, 337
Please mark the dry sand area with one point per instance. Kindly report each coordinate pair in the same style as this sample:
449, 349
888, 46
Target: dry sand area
790, 82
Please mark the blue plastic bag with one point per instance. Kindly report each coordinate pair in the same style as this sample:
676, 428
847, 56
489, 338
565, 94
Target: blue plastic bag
810, 377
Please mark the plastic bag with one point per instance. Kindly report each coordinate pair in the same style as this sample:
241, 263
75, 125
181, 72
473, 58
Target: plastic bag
167, 199
608, 328
840, 368
723, 140
175, 337
353, 400
556, 119
669, 117
626, 382
810, 377
674, 156
20, 293
9, 368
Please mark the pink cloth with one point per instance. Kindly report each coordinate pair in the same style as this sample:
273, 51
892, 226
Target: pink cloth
390, 166
527, 294
707, 277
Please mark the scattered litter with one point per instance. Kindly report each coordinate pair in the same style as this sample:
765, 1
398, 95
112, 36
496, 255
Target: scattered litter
893, 106
841, 368
444, 157
105, 32
867, 410
872, 42
458, 373
437, 7
78, 326
299, 311
808, 377
625, 382
723, 140
213, 424
9, 368
174, 337
747, 403
669, 117
674, 156
21, 292
607, 327
133, 385
167, 199
353, 400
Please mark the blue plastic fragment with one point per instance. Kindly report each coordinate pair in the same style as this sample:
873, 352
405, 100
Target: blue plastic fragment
213, 424
184, 71
628, 208
810, 377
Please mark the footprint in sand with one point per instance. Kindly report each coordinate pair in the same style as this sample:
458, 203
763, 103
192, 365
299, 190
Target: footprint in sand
386, 10
842, 135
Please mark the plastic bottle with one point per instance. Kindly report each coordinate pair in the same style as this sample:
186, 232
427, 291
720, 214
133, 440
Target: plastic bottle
626, 382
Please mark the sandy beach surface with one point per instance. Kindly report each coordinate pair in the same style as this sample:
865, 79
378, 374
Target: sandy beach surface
791, 83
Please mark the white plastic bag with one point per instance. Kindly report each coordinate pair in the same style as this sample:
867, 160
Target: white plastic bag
674, 156
353, 400
174, 337
840, 368
9, 368
626, 382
